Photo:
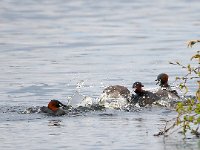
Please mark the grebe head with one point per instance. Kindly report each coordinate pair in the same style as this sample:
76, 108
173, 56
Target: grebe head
162, 80
54, 105
137, 86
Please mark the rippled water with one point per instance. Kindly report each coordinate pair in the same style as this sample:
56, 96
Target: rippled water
55, 49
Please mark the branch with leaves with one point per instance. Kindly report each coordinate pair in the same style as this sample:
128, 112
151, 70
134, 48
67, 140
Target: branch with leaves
188, 118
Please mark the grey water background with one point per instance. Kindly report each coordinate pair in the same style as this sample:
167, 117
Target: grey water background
53, 49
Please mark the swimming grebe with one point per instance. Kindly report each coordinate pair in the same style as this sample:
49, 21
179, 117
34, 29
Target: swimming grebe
116, 91
142, 97
115, 94
165, 90
53, 108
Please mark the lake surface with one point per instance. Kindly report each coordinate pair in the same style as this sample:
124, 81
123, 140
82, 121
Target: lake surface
59, 49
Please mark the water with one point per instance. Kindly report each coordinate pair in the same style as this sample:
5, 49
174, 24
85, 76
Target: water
55, 49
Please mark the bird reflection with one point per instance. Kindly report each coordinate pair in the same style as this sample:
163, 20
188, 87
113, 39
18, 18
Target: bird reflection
55, 123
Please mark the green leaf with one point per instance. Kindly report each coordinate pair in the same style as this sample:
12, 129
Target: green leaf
189, 109
191, 118
198, 120
185, 118
196, 56
189, 68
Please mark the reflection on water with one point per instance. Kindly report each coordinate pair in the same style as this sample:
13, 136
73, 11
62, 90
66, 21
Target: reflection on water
55, 123
54, 49
108, 129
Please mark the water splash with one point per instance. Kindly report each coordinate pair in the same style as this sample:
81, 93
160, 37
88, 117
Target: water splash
86, 102
110, 102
